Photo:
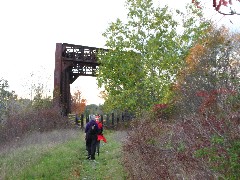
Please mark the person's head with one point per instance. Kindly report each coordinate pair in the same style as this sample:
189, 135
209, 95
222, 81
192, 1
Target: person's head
92, 117
97, 117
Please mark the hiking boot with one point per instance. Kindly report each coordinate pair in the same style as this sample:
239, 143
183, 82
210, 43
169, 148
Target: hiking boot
88, 157
92, 158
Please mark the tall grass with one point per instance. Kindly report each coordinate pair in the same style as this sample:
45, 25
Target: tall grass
41, 120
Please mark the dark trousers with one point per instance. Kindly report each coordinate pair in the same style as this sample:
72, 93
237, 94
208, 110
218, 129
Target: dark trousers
98, 147
91, 142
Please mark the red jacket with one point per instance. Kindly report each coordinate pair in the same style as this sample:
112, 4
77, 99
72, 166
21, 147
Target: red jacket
100, 135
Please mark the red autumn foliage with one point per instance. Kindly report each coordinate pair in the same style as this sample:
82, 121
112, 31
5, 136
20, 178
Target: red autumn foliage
209, 98
160, 106
78, 104
218, 5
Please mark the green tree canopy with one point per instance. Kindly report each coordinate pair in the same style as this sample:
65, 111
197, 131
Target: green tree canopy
146, 54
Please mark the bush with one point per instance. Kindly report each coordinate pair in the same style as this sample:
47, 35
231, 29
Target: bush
32, 120
160, 150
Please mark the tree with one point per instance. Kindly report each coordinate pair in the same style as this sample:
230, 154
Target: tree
78, 104
6, 98
145, 55
40, 102
209, 100
92, 109
211, 74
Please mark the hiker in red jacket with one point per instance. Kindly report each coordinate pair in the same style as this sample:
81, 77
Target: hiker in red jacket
100, 134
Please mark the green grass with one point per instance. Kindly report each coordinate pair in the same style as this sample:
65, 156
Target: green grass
64, 161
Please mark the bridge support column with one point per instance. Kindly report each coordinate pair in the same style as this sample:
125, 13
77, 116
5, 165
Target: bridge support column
65, 93
57, 76
61, 94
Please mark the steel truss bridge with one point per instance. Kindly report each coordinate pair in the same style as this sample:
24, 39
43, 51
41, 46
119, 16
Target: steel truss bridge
72, 61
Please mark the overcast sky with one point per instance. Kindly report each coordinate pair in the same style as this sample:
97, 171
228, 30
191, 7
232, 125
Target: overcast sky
30, 30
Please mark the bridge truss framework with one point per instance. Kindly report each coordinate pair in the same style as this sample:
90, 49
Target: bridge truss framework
72, 61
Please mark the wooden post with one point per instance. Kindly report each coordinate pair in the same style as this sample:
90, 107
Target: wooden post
107, 119
122, 116
82, 123
117, 119
112, 119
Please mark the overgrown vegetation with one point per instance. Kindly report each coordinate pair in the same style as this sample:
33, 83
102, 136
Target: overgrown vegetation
20, 116
191, 82
62, 154
21, 123
182, 86
200, 137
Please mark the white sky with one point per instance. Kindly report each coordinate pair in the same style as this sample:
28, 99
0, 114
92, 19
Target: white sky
30, 30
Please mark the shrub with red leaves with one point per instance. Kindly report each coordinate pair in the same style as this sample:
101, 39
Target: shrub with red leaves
161, 150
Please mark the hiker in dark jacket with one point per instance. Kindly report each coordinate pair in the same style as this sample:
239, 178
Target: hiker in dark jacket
91, 131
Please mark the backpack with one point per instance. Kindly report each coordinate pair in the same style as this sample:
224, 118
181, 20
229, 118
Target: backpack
92, 129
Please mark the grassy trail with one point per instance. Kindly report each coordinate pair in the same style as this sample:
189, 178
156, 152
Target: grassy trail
51, 158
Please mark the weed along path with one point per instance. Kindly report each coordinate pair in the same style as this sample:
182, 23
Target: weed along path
61, 155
